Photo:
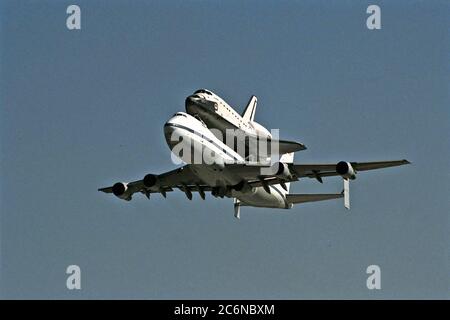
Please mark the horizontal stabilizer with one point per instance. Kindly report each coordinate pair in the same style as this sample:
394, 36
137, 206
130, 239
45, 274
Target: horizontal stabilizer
301, 198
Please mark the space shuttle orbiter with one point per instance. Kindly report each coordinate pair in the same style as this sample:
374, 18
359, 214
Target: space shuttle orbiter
218, 114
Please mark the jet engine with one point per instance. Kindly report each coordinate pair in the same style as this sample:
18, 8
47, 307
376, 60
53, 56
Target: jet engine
243, 187
346, 170
221, 192
150, 181
120, 189
282, 170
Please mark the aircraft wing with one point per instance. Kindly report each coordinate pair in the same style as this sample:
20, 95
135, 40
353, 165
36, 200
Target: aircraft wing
254, 145
182, 178
289, 146
326, 170
296, 171
284, 146
185, 180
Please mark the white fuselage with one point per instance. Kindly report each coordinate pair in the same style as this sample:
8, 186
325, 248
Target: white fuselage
185, 131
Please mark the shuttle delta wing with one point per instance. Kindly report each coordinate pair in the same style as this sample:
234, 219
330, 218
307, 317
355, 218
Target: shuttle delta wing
289, 146
254, 146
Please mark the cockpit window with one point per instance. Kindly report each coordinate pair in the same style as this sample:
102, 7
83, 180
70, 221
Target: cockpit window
179, 114
203, 91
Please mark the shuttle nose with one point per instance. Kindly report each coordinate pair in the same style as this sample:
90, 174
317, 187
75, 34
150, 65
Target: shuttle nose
196, 103
192, 103
192, 100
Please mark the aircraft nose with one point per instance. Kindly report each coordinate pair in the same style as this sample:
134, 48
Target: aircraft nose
192, 100
194, 103
168, 134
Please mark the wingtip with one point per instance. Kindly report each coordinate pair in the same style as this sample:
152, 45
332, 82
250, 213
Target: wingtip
301, 146
406, 161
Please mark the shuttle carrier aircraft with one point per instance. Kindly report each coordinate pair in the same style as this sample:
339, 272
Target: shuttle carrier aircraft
225, 172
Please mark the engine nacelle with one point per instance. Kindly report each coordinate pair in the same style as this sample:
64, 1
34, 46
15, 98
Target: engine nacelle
243, 187
346, 170
221, 192
120, 189
282, 170
151, 181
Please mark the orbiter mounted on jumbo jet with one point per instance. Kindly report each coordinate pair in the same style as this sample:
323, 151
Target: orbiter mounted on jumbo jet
227, 173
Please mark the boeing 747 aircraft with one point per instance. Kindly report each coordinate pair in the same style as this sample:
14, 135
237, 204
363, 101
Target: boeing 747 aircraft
226, 173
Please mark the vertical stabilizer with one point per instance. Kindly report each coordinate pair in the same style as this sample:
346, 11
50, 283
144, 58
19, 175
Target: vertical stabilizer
347, 193
237, 208
249, 112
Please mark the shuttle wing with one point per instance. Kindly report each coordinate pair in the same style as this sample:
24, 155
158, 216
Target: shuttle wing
289, 146
253, 146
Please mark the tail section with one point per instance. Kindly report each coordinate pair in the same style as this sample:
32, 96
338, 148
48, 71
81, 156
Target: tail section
347, 193
237, 208
302, 198
249, 112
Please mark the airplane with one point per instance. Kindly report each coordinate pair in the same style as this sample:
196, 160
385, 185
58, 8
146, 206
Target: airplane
226, 173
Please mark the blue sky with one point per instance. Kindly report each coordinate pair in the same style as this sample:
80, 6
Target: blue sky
83, 109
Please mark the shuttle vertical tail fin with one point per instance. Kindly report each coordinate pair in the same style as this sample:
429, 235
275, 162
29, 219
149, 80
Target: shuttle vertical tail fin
249, 112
